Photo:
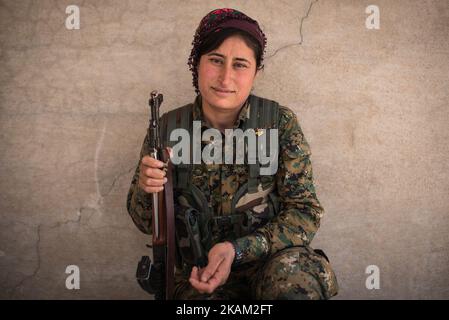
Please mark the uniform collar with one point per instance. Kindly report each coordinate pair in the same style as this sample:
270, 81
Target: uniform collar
199, 116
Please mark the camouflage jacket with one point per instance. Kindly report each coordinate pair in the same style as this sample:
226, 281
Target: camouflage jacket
300, 211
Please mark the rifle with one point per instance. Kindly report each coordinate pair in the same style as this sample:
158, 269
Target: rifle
157, 277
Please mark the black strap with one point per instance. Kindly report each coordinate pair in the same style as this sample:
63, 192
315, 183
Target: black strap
253, 123
178, 118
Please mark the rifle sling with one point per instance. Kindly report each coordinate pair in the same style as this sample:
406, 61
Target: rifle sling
171, 246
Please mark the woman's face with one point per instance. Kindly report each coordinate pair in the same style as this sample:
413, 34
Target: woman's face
226, 75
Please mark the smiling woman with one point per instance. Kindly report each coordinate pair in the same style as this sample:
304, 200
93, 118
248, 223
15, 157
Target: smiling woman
224, 66
225, 79
240, 232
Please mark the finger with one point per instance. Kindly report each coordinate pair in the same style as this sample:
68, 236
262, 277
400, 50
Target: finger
151, 182
195, 283
202, 286
200, 272
218, 279
215, 282
153, 172
220, 276
194, 274
151, 189
195, 280
151, 162
211, 268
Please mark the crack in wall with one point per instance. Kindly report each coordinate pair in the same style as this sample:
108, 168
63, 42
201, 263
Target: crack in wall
99, 198
94, 204
40, 228
116, 178
38, 252
301, 22
36, 270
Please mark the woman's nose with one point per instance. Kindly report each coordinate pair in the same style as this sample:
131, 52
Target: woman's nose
226, 74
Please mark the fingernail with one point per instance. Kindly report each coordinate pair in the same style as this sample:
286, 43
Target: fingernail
165, 180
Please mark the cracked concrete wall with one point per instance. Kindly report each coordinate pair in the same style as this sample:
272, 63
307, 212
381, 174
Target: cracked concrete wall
73, 106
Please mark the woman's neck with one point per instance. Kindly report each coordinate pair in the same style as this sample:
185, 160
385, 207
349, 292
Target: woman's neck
219, 118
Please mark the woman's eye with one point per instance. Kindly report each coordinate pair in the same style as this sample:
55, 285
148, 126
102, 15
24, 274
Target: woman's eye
216, 61
240, 65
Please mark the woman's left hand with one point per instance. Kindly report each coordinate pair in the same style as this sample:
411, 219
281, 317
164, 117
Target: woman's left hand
217, 271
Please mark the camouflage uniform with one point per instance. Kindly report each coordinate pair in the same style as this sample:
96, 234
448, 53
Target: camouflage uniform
274, 260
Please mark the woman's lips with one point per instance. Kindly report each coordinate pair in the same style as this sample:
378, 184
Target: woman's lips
222, 92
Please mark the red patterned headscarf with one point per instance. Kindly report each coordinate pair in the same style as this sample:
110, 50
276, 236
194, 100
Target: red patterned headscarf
218, 20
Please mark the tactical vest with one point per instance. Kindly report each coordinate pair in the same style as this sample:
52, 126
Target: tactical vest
195, 220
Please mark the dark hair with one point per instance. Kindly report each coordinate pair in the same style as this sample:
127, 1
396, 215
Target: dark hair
214, 40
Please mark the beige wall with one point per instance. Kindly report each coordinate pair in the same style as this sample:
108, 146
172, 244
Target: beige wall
73, 112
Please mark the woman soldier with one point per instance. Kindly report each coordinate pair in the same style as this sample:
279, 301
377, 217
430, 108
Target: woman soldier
254, 230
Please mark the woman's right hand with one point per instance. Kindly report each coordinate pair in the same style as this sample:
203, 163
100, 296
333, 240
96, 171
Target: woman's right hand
152, 176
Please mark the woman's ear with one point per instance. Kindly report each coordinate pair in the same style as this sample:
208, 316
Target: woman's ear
257, 75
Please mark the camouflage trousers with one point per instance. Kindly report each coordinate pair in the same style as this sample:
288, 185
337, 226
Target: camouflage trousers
296, 273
